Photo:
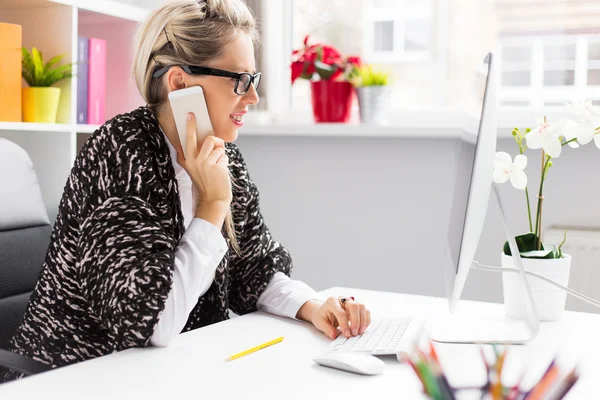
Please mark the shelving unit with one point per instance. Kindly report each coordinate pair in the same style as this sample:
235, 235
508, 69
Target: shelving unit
53, 27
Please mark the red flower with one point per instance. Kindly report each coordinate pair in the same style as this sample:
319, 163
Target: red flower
323, 59
297, 68
336, 74
354, 60
302, 69
330, 55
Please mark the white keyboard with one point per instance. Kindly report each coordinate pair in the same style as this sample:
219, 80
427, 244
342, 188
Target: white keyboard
383, 336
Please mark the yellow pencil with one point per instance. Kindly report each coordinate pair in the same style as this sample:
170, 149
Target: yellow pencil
252, 350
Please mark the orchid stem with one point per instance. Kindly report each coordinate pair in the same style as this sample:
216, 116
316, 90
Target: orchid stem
522, 148
528, 210
538, 219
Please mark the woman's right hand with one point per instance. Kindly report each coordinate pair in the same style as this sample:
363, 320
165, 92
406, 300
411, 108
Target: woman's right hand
209, 171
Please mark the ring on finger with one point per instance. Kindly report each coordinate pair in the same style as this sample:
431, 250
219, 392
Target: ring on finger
344, 300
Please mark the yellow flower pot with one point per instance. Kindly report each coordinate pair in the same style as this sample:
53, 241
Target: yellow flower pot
40, 104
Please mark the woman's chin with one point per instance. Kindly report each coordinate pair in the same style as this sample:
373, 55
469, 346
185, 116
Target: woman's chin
229, 136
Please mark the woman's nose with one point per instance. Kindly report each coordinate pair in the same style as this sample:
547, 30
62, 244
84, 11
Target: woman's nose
251, 96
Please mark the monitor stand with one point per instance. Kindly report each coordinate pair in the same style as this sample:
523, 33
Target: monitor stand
492, 330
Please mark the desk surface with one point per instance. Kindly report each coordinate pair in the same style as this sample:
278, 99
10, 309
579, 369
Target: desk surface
194, 365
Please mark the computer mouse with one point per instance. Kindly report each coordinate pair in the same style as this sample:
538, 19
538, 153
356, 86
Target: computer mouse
359, 363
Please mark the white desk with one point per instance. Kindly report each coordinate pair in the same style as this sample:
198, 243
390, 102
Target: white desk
194, 365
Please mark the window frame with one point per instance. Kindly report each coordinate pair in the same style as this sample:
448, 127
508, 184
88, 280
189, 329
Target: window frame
537, 93
399, 15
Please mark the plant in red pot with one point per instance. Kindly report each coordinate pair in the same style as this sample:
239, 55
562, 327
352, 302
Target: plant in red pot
328, 73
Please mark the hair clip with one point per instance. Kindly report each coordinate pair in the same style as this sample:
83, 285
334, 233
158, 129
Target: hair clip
167, 36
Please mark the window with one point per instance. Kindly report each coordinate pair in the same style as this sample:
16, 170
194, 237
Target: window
545, 71
399, 30
399, 36
548, 51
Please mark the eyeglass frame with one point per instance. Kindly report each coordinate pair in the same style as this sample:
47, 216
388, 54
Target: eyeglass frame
195, 70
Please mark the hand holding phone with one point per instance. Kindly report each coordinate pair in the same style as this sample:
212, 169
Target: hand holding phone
192, 100
208, 169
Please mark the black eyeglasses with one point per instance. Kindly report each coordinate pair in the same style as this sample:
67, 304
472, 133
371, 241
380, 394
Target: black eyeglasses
242, 83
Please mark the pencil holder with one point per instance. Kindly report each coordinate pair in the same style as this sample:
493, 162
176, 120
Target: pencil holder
553, 385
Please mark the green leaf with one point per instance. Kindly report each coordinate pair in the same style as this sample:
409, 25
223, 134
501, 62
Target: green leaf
545, 254
325, 70
560, 254
305, 74
27, 70
38, 74
319, 54
551, 247
38, 64
369, 76
54, 60
525, 243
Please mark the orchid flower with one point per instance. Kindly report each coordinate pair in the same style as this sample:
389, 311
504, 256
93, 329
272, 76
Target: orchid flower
569, 130
546, 136
505, 169
584, 128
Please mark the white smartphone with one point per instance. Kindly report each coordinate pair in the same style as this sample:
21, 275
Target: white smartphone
192, 100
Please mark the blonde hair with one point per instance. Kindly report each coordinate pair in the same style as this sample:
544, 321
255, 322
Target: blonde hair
187, 32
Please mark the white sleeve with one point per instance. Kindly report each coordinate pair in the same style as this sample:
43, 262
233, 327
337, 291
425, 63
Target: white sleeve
198, 255
284, 296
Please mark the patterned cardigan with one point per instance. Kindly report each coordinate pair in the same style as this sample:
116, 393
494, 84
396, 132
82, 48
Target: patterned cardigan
109, 266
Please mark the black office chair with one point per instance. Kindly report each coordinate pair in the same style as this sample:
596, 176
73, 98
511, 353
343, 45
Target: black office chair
24, 237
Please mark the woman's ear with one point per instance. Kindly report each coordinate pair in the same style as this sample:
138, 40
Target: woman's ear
176, 78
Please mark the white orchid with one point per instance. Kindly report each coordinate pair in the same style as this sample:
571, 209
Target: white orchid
584, 128
569, 130
505, 169
546, 136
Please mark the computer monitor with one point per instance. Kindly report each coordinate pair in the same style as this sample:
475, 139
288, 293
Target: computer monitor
473, 184
473, 180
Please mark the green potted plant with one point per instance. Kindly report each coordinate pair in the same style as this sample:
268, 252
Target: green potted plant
542, 258
372, 86
40, 100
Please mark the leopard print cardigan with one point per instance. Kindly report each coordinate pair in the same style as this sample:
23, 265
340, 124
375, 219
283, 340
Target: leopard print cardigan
109, 266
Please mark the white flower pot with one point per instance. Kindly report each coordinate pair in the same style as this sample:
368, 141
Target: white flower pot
549, 300
374, 104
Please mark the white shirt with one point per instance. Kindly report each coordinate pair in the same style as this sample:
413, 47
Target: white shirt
197, 256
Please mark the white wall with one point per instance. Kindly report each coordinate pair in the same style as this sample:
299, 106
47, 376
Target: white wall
372, 212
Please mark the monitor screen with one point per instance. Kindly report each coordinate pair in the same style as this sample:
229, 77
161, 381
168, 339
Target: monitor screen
465, 163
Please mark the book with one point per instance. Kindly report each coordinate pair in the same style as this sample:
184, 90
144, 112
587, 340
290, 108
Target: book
82, 79
10, 72
96, 81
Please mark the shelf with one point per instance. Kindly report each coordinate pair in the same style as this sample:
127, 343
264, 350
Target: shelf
108, 7
102, 8
86, 128
427, 125
38, 127
34, 127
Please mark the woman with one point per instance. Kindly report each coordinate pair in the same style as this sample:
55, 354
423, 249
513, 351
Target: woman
137, 254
